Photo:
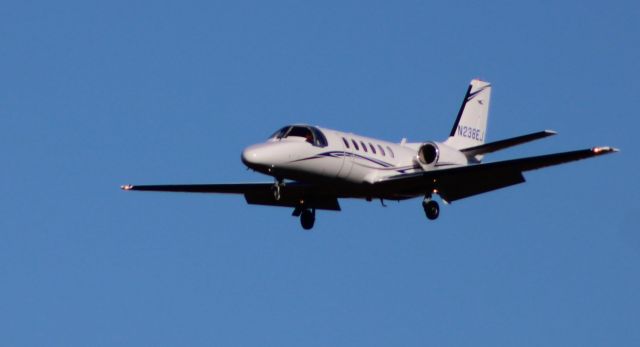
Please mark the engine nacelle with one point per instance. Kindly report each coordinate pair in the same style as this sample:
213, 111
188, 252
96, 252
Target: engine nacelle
432, 154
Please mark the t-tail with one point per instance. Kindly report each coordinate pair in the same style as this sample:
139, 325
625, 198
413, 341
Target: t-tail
470, 128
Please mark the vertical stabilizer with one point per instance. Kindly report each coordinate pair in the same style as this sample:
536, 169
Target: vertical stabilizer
470, 128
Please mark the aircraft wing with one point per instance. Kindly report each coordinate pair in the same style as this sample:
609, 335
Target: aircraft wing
236, 188
465, 181
293, 193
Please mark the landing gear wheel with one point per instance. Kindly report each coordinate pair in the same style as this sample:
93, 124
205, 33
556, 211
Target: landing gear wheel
431, 209
307, 219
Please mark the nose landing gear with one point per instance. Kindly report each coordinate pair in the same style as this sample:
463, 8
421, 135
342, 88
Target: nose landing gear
277, 189
431, 208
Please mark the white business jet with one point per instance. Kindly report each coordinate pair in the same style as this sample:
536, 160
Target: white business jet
313, 167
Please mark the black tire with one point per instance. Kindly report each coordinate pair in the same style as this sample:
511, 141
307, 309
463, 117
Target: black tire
431, 209
307, 219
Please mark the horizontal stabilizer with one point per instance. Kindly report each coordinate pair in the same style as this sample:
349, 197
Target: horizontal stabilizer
506, 143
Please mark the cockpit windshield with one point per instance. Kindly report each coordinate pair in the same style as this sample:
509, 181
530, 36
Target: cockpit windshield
311, 134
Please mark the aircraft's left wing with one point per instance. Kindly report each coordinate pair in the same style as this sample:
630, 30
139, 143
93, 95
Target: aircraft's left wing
294, 194
464, 181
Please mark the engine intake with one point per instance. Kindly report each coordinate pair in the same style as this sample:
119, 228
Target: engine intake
428, 154
431, 154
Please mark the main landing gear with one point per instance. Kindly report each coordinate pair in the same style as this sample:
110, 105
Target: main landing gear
431, 208
307, 216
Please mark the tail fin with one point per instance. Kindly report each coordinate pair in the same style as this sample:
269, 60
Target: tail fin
470, 128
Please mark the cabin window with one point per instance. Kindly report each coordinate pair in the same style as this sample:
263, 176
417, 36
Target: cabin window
355, 144
381, 150
390, 152
373, 149
346, 143
364, 147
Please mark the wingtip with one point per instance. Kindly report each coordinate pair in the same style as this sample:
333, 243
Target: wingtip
604, 150
126, 187
551, 132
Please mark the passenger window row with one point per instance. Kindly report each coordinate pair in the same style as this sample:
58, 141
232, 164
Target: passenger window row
371, 147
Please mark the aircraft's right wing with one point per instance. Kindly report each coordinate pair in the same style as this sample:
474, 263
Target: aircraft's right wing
464, 181
234, 188
294, 194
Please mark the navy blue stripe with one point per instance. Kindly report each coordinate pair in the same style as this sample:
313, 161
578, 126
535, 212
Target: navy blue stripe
464, 102
340, 154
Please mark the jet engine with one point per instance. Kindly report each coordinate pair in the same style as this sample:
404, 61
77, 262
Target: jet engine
432, 154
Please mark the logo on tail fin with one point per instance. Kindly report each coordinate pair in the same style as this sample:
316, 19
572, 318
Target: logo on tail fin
474, 94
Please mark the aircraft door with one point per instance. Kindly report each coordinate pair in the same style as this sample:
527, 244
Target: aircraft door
347, 158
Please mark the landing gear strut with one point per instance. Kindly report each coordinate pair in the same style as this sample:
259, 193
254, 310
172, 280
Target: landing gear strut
431, 208
308, 218
277, 188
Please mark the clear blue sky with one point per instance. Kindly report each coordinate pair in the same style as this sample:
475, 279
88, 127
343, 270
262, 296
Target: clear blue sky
98, 94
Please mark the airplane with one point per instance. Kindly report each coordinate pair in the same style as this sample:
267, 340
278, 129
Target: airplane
313, 167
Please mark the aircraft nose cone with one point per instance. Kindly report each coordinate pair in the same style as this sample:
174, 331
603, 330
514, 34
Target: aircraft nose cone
265, 157
253, 156
248, 156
